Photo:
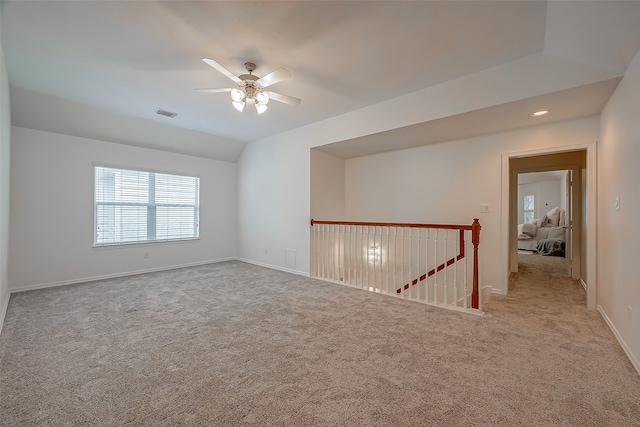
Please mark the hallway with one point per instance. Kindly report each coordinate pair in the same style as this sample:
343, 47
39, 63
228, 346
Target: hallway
574, 348
542, 297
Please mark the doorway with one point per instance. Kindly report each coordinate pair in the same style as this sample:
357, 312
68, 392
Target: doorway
576, 162
544, 211
588, 207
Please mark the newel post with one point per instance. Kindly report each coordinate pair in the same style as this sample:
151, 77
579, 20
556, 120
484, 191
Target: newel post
475, 239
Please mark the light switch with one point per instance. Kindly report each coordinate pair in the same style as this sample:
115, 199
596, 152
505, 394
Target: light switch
618, 203
484, 208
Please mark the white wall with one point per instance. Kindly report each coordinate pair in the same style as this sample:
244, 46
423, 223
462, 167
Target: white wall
5, 160
618, 269
274, 172
563, 190
446, 183
327, 186
438, 183
51, 233
274, 205
547, 197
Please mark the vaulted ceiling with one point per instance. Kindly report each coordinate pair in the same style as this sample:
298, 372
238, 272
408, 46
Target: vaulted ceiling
101, 69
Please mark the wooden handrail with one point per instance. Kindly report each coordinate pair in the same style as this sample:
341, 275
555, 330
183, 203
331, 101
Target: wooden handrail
397, 224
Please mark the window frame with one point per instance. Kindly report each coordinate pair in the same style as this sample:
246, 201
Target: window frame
525, 211
150, 207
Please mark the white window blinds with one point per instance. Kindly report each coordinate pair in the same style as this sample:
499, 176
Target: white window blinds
138, 206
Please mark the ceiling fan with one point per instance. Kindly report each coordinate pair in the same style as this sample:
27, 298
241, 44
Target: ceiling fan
250, 89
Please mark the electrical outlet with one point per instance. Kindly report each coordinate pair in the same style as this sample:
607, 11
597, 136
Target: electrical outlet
146, 255
617, 205
484, 208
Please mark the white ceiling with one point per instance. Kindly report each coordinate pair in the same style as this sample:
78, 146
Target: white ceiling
101, 69
533, 177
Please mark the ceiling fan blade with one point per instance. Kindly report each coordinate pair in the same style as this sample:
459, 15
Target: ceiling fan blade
284, 98
214, 90
223, 70
272, 78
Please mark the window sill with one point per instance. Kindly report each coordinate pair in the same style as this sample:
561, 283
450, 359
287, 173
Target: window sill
139, 244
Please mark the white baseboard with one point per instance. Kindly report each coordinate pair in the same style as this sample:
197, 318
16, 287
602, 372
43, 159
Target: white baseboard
623, 344
496, 291
5, 306
273, 267
114, 275
584, 285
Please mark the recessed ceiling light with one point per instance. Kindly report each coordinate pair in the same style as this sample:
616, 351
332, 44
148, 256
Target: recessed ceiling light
540, 113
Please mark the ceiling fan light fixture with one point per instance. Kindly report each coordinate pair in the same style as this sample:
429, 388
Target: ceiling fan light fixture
261, 108
238, 105
237, 95
262, 98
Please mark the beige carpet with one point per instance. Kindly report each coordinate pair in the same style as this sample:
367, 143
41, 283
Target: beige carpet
234, 344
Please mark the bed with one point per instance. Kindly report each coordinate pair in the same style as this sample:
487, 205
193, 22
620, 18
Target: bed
544, 235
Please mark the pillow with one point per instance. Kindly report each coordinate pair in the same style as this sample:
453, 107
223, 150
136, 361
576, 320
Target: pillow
542, 221
554, 216
523, 236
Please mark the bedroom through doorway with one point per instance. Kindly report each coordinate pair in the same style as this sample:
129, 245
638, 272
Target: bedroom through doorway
543, 218
570, 197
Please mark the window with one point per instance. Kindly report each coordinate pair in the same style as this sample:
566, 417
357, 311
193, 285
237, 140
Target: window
137, 206
529, 208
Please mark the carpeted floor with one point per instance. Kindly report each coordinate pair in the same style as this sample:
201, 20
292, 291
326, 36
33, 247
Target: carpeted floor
234, 344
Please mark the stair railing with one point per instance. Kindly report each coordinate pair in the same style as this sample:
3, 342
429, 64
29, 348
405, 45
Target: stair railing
427, 263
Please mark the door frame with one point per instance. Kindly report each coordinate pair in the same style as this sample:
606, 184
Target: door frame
509, 240
574, 243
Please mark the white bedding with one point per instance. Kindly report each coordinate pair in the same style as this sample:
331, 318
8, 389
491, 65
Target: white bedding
550, 226
546, 232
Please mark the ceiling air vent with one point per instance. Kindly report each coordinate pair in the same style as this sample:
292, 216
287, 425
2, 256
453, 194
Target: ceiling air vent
166, 113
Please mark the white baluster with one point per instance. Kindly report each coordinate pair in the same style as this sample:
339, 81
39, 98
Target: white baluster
446, 258
343, 258
435, 274
466, 261
372, 283
314, 244
426, 267
376, 261
332, 247
360, 263
418, 265
330, 252
456, 250
321, 251
349, 252
395, 258
340, 254
320, 237
388, 252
